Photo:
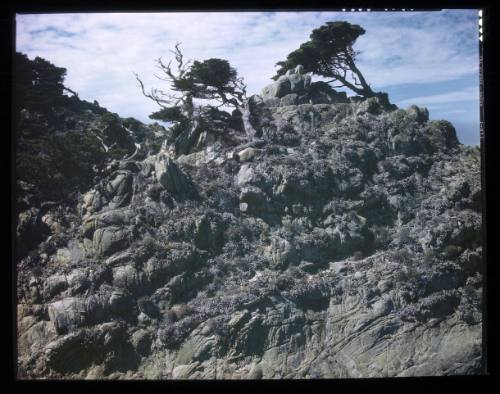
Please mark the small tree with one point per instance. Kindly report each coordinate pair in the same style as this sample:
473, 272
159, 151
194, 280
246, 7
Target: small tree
212, 79
181, 95
329, 53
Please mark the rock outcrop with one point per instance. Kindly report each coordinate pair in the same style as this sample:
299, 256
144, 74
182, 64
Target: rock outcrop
343, 240
296, 88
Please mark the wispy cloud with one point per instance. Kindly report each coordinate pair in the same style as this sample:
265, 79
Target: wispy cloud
467, 94
454, 112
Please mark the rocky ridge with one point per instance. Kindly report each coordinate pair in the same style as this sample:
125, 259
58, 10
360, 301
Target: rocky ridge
343, 239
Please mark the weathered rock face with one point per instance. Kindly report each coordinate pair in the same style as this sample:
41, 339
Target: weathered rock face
343, 240
172, 178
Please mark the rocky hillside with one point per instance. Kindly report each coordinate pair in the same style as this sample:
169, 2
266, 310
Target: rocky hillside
63, 146
343, 239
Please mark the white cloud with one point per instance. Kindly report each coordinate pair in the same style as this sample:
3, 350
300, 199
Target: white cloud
100, 51
467, 94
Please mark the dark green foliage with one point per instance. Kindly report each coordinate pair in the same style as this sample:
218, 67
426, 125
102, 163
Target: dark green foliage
215, 120
211, 79
172, 115
73, 103
38, 84
140, 130
169, 114
109, 119
212, 73
307, 55
216, 79
57, 153
329, 53
56, 165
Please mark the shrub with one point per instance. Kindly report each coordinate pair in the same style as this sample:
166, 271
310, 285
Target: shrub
452, 251
109, 119
402, 257
358, 255
284, 282
57, 165
178, 311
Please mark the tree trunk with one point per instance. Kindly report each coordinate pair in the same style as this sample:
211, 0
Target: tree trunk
366, 89
246, 116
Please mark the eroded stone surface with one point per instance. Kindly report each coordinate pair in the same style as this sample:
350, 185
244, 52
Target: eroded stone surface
342, 239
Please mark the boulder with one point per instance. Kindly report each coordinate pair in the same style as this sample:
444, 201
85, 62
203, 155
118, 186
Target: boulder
322, 93
256, 117
119, 189
129, 278
292, 82
115, 217
68, 314
419, 114
245, 175
55, 284
281, 252
109, 240
277, 89
296, 88
209, 232
441, 135
141, 341
92, 201
79, 350
289, 99
247, 154
172, 178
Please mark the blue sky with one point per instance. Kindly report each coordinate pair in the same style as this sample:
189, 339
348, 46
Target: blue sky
425, 58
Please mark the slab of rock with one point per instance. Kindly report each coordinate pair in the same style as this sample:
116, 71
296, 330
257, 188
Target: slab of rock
245, 175
109, 240
172, 178
247, 154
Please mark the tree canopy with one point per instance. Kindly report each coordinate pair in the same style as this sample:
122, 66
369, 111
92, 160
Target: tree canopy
38, 84
215, 79
329, 53
212, 79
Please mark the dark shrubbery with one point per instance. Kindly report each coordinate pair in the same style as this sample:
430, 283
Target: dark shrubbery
38, 84
56, 165
58, 153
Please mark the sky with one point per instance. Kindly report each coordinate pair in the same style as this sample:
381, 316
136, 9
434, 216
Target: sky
429, 59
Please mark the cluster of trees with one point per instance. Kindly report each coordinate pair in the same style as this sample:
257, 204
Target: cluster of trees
38, 84
329, 53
